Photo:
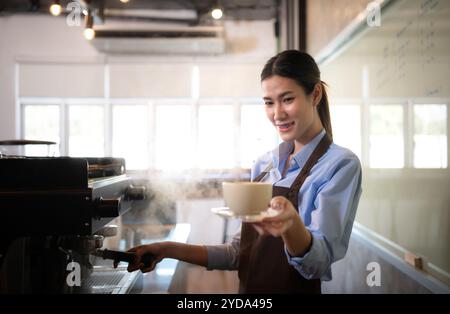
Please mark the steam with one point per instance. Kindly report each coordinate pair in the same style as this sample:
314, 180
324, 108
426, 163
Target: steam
165, 189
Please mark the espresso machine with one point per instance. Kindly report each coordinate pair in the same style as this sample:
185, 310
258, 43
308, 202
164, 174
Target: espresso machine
55, 214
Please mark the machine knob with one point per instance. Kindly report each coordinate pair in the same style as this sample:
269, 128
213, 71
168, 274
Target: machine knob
107, 208
136, 193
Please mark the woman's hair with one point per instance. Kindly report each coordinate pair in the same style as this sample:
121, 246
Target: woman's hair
300, 67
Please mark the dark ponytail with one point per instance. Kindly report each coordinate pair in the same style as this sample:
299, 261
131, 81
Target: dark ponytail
324, 110
300, 67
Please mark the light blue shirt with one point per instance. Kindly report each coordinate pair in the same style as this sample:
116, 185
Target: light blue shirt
327, 200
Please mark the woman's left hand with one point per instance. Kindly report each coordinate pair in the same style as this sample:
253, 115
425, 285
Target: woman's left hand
280, 223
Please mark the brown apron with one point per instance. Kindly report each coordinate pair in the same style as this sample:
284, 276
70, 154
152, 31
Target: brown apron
263, 265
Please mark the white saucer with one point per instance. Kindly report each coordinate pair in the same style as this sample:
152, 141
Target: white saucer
227, 213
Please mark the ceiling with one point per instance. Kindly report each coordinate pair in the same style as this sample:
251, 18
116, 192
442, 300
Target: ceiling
188, 11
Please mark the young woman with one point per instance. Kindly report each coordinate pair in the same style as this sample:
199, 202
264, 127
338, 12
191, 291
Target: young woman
316, 188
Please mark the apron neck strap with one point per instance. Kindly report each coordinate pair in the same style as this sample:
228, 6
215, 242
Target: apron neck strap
318, 152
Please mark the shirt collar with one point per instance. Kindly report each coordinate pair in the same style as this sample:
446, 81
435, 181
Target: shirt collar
285, 148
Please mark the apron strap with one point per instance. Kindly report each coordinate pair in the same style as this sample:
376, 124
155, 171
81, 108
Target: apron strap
263, 174
318, 152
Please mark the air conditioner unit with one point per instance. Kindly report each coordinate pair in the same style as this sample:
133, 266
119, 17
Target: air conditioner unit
170, 41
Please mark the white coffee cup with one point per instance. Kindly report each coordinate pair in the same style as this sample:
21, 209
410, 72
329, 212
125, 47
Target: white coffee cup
245, 198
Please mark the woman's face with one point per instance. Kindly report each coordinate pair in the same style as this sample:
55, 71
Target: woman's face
291, 111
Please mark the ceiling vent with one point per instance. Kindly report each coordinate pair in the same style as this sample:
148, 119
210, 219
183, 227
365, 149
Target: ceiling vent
186, 40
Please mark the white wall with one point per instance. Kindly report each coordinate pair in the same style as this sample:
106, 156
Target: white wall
38, 46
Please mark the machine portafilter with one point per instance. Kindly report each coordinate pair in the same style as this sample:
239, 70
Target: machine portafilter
92, 245
129, 257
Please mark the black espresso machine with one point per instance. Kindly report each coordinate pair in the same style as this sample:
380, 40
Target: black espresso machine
54, 215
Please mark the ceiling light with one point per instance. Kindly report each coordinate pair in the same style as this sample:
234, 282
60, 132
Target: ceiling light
217, 14
124, 1
55, 8
89, 33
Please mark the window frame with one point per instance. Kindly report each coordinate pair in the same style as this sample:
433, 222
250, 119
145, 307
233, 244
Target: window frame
237, 103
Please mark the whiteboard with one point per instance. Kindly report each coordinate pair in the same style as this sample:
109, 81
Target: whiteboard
406, 56
406, 60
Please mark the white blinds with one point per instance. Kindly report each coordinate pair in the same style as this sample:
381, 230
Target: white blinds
150, 80
61, 80
137, 80
235, 80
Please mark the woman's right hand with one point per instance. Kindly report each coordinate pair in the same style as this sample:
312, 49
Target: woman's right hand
155, 249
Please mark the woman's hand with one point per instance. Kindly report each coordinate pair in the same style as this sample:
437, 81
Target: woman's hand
155, 249
288, 225
279, 224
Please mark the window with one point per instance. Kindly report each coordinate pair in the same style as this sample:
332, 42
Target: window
130, 135
174, 144
86, 131
346, 124
430, 136
257, 135
386, 136
41, 123
179, 134
215, 134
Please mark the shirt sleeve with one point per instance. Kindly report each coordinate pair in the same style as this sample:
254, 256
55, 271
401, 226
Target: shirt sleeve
331, 221
224, 256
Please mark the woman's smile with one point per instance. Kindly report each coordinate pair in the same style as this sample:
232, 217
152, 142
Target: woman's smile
284, 127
